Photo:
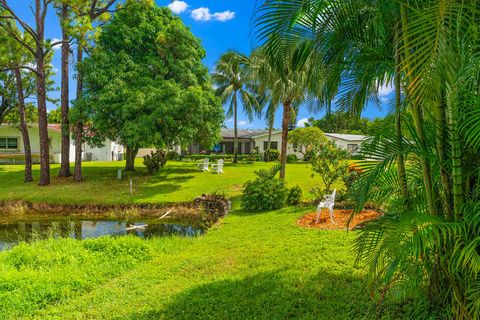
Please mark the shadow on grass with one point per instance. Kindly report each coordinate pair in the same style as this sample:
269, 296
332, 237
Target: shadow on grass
238, 211
271, 295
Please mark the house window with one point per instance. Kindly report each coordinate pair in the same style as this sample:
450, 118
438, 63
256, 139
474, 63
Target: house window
273, 145
352, 147
9, 143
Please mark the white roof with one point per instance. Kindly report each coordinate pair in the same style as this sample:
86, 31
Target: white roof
346, 137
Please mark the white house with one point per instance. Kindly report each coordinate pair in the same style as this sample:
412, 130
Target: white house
12, 149
249, 140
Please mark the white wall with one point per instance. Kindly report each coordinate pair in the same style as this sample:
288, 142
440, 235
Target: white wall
343, 144
276, 137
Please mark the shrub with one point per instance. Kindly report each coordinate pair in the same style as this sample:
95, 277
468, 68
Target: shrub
266, 192
274, 155
294, 196
173, 155
292, 158
154, 161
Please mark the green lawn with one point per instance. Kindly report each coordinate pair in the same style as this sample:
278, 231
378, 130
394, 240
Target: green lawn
249, 266
177, 182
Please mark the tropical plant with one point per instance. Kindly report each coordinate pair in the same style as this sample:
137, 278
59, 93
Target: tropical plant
155, 160
308, 141
266, 192
424, 176
232, 78
331, 164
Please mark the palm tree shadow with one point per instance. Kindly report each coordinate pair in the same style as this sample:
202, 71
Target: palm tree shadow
271, 295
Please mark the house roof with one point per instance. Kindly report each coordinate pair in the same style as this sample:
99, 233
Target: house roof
242, 133
51, 126
346, 137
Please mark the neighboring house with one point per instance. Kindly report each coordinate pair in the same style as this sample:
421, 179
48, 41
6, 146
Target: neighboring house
350, 142
12, 149
250, 140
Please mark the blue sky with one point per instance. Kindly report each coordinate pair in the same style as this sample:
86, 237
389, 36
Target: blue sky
220, 24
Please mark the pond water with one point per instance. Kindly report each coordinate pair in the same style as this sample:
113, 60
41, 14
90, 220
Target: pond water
14, 230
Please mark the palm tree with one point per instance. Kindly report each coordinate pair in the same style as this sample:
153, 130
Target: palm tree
287, 75
429, 51
232, 78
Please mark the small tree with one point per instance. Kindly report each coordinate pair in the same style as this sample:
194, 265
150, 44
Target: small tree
308, 141
331, 164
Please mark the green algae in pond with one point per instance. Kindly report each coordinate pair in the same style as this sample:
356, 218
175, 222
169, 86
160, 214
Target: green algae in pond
30, 228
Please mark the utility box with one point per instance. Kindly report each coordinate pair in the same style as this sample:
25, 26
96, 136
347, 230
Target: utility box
119, 174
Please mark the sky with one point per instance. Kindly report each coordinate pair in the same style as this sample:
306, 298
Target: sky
221, 25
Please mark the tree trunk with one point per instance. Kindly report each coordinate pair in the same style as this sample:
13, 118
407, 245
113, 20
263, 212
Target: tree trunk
65, 163
23, 127
131, 154
402, 176
441, 144
285, 123
418, 119
269, 143
456, 143
235, 129
77, 175
42, 97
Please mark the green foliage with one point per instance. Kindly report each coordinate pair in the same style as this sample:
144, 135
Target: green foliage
144, 94
294, 196
155, 160
173, 155
273, 155
307, 140
331, 164
266, 192
344, 122
292, 158
55, 116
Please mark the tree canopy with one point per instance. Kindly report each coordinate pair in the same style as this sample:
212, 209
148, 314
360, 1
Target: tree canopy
145, 83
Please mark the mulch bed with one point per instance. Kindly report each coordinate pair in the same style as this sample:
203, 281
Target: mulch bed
340, 217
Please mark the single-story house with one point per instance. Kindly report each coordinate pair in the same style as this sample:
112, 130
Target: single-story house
250, 140
12, 149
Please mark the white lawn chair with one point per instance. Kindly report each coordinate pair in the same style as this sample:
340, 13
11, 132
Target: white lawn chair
203, 165
218, 167
328, 202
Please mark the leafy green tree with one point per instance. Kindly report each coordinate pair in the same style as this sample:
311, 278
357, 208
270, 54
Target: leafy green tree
55, 116
308, 141
157, 93
331, 164
232, 78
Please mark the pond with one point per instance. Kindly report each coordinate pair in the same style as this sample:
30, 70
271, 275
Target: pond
36, 227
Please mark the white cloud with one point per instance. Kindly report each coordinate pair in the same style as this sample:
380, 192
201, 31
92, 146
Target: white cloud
178, 6
204, 14
301, 123
385, 89
242, 123
57, 46
224, 16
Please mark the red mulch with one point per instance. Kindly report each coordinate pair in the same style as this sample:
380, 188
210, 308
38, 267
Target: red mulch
340, 217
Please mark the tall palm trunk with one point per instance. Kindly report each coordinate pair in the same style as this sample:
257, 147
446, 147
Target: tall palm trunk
441, 145
402, 176
269, 142
42, 97
77, 175
235, 129
456, 143
24, 127
65, 163
285, 123
418, 119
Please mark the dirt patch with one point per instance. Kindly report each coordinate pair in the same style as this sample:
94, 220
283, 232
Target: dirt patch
341, 218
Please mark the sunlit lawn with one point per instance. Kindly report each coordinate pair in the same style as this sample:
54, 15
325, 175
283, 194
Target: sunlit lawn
177, 182
249, 266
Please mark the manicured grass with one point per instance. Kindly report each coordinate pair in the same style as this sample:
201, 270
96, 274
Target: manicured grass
177, 182
249, 266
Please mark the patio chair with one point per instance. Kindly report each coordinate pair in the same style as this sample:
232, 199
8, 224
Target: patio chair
328, 202
218, 167
203, 165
